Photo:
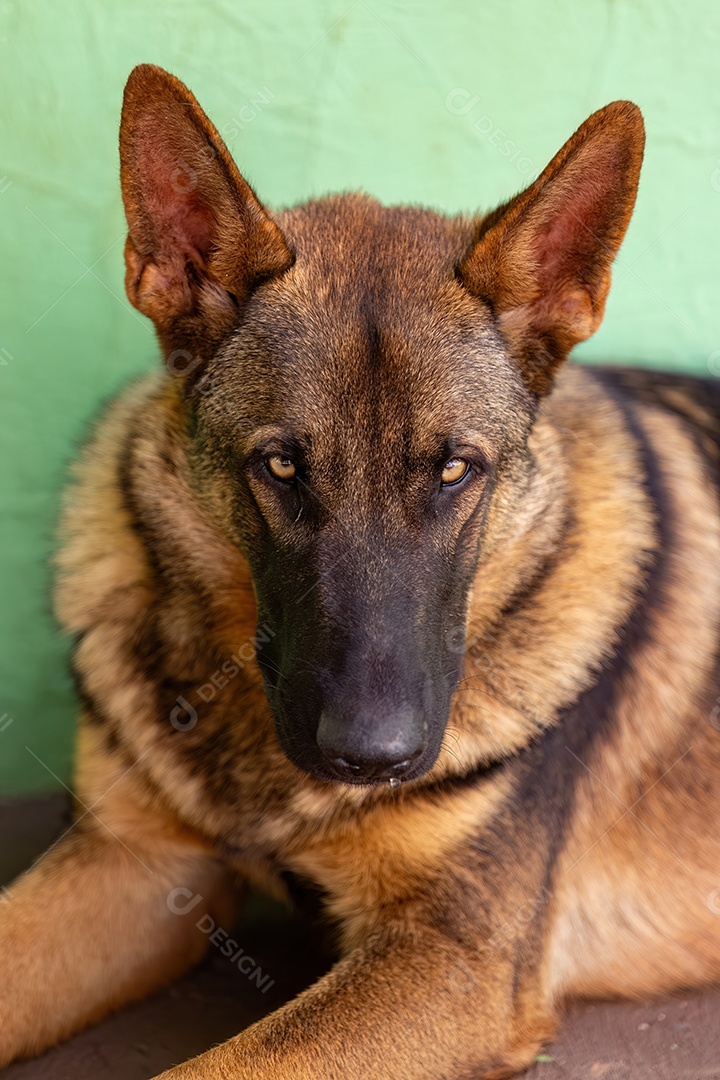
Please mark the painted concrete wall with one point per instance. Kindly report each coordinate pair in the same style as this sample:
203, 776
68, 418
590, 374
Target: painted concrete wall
455, 104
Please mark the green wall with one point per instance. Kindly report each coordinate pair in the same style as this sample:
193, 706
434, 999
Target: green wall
454, 104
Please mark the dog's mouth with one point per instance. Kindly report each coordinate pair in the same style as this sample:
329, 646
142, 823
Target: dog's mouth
319, 770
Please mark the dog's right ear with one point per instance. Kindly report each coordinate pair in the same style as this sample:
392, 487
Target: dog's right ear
199, 239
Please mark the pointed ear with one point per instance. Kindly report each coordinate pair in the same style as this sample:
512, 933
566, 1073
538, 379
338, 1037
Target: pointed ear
543, 260
199, 240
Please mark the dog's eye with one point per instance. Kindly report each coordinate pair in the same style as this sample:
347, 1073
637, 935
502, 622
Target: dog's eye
280, 467
456, 469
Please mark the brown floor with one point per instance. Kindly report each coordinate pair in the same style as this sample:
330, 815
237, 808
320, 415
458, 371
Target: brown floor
677, 1040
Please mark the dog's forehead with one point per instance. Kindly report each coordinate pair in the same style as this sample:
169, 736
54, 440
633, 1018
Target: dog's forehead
357, 258
370, 328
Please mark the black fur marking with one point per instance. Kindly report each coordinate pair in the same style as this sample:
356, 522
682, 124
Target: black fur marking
650, 387
91, 709
580, 725
307, 899
554, 765
127, 491
547, 771
526, 593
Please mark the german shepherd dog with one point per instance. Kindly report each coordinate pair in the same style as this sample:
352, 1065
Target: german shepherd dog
369, 592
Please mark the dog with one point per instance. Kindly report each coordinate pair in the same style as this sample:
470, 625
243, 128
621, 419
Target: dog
371, 591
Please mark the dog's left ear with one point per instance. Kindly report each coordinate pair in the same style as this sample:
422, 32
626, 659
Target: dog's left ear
543, 260
199, 239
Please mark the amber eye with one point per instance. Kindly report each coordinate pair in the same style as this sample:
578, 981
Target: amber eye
455, 470
281, 467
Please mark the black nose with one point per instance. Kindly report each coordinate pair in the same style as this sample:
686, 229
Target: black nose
374, 744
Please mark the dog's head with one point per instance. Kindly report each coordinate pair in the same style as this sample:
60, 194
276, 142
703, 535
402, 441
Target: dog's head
359, 384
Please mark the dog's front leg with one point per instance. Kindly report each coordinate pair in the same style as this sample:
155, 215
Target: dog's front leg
94, 925
409, 1004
